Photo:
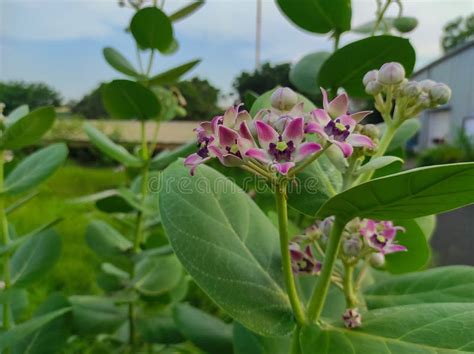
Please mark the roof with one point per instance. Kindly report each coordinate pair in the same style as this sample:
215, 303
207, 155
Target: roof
445, 57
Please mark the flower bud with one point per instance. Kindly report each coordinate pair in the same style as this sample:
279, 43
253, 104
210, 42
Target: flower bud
440, 93
370, 76
373, 88
352, 318
377, 260
371, 130
352, 246
312, 232
284, 99
412, 89
426, 85
424, 100
405, 24
391, 73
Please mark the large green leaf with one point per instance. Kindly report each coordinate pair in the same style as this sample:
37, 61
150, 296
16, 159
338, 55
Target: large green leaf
108, 147
406, 195
17, 333
318, 16
186, 10
419, 251
164, 158
207, 332
444, 284
119, 62
347, 66
247, 342
35, 169
157, 275
304, 74
264, 102
53, 336
222, 237
159, 329
126, 99
28, 129
17, 113
172, 75
35, 257
421, 329
152, 29
315, 185
105, 240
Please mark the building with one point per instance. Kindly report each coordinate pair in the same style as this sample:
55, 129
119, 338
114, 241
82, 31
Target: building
456, 69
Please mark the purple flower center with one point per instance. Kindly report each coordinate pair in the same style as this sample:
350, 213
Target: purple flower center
282, 150
203, 151
234, 150
339, 131
378, 240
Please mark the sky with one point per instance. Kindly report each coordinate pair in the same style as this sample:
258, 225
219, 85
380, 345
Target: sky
59, 42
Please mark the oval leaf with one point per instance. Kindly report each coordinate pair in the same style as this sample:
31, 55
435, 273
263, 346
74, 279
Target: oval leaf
247, 342
406, 195
126, 99
304, 74
318, 16
119, 62
35, 169
105, 240
17, 113
159, 329
186, 11
221, 237
152, 29
378, 162
347, 66
172, 75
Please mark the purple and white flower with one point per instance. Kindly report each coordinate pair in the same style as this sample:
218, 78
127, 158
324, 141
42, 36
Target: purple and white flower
303, 261
352, 318
380, 236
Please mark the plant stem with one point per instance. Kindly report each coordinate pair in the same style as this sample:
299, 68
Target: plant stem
131, 324
150, 63
380, 17
280, 194
5, 242
295, 341
337, 37
321, 288
351, 298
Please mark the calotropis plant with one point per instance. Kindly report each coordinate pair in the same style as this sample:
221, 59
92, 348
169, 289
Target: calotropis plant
367, 225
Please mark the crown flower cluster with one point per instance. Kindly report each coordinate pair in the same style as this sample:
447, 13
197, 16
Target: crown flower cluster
280, 140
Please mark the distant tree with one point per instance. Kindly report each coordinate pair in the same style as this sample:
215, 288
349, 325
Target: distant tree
201, 99
263, 79
457, 32
17, 93
90, 106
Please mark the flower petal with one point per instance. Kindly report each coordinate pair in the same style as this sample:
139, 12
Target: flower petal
347, 120
244, 145
245, 132
358, 140
346, 148
338, 106
297, 110
231, 160
258, 154
284, 167
227, 136
325, 99
392, 248
306, 149
215, 122
193, 161
266, 134
216, 151
321, 116
230, 116
294, 131
243, 116
358, 116
313, 127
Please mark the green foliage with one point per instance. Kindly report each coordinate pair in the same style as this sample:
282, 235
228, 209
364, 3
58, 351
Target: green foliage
304, 74
186, 10
240, 244
457, 32
34, 95
201, 99
365, 54
91, 106
442, 154
247, 342
172, 75
119, 62
152, 29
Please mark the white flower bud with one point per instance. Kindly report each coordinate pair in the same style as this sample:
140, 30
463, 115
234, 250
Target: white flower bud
284, 99
426, 85
412, 89
370, 76
352, 246
440, 93
391, 73
377, 260
424, 100
373, 88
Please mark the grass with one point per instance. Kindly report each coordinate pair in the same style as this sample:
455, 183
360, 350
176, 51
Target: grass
75, 272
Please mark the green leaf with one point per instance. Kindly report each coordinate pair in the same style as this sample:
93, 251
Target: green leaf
405, 132
427, 225
221, 237
95, 315
152, 29
173, 48
172, 75
377, 163
205, 331
318, 16
35, 257
164, 158
186, 10
366, 28
406, 195
419, 251
315, 185
444, 284
105, 240
425, 328
53, 336
119, 62
347, 66
35, 169
247, 342
304, 74
18, 203
264, 102
157, 275
17, 333
126, 99
17, 113
159, 329
28, 129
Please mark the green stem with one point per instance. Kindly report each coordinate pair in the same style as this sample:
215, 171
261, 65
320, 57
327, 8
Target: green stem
337, 37
150, 63
380, 17
321, 288
131, 324
351, 298
295, 342
282, 210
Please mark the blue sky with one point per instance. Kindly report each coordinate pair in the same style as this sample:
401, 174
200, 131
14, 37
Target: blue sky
60, 41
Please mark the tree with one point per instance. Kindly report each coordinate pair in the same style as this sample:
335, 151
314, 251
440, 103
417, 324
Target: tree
457, 32
37, 94
201, 99
90, 106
